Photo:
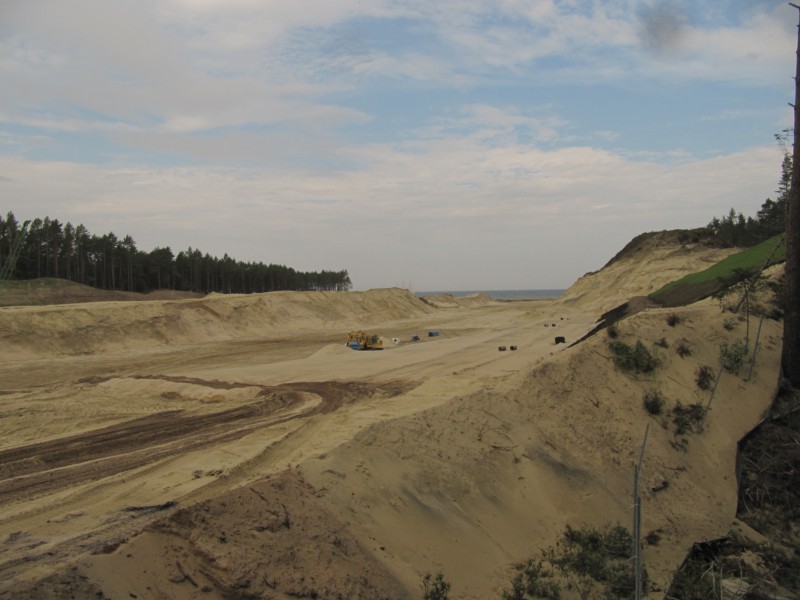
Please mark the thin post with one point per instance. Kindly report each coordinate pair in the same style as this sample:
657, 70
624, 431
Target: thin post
755, 348
637, 522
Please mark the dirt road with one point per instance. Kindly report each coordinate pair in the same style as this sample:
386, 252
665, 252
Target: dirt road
96, 446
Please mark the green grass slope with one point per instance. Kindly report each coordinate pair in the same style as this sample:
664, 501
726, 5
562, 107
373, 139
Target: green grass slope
696, 286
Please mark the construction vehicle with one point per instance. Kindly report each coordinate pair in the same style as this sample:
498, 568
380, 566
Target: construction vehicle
358, 340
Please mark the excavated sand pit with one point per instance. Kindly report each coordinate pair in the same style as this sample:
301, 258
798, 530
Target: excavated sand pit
233, 447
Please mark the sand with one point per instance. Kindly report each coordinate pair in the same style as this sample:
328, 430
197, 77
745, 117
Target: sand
232, 446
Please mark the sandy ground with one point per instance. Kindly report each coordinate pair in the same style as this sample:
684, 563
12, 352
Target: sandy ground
234, 447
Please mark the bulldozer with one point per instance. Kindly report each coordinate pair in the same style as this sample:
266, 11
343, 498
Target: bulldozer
358, 340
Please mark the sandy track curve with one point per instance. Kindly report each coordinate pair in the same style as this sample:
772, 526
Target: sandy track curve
163, 427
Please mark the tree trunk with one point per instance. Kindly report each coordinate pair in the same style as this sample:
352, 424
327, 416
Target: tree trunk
790, 357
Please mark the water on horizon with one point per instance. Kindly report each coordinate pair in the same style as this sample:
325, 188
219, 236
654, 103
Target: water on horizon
501, 294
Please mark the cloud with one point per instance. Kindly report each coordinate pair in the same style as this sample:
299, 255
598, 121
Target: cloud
442, 198
269, 130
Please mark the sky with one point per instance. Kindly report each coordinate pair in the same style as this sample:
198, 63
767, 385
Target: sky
447, 145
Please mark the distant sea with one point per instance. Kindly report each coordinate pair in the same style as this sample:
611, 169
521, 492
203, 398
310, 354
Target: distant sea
502, 294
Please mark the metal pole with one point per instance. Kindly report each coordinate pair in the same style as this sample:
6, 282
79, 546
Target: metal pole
755, 348
637, 522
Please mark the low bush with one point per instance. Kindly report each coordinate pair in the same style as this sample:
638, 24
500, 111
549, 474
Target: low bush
532, 580
673, 319
688, 418
435, 588
683, 349
732, 356
637, 359
602, 556
594, 563
653, 402
705, 377
662, 343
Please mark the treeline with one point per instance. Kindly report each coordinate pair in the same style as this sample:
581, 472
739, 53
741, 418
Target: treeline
737, 230
53, 249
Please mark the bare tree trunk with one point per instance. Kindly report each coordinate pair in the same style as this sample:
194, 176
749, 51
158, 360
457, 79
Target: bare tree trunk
790, 357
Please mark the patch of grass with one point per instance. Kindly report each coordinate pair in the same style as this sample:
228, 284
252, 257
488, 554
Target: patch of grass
532, 580
688, 418
653, 402
724, 273
592, 563
732, 356
683, 349
705, 377
730, 323
602, 556
435, 588
637, 359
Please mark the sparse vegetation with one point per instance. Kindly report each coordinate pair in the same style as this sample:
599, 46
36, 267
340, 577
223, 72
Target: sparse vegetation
673, 319
653, 402
688, 418
532, 580
705, 377
596, 556
612, 331
732, 356
683, 349
595, 563
435, 587
637, 359
730, 323
721, 275
653, 537
662, 343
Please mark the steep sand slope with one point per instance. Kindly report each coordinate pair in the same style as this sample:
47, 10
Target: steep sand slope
483, 481
645, 265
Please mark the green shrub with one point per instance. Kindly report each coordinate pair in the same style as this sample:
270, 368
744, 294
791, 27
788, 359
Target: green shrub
637, 359
435, 588
705, 377
602, 556
688, 418
595, 563
653, 402
732, 356
532, 580
729, 324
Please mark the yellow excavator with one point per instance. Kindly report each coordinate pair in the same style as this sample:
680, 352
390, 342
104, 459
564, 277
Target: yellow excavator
358, 340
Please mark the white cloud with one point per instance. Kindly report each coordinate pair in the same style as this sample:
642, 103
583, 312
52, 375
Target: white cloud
219, 86
446, 197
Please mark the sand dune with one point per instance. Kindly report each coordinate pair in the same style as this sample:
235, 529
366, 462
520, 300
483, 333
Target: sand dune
645, 265
233, 447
